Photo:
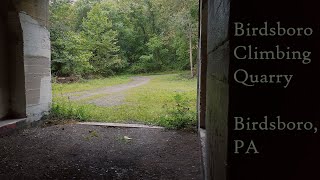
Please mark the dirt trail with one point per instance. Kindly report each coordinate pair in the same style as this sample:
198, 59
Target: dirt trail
108, 96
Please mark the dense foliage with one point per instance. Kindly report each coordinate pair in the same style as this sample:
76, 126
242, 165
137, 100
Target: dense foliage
106, 37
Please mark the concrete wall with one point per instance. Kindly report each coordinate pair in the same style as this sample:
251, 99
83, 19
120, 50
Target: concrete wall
12, 81
36, 38
16, 66
4, 85
25, 78
217, 89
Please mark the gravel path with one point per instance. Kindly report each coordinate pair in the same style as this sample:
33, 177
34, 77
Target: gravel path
108, 96
95, 152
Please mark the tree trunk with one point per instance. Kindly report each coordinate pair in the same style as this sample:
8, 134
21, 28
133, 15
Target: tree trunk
190, 50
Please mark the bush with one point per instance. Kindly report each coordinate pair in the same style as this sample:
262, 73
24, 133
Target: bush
179, 116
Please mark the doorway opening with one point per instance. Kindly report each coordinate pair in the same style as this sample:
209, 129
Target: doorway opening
125, 61
113, 61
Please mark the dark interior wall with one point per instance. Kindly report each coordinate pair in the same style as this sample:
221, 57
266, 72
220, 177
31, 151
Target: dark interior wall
217, 89
4, 79
12, 80
16, 65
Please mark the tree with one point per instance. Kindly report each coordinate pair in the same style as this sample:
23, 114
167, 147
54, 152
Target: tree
105, 37
102, 42
185, 23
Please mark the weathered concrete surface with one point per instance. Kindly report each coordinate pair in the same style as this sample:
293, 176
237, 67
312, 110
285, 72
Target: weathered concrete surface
37, 9
217, 113
36, 39
10, 126
9, 122
217, 90
218, 23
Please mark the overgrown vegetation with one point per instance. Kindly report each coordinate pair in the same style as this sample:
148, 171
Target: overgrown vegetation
107, 37
167, 100
178, 114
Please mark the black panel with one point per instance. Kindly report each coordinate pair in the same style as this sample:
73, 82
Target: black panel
285, 155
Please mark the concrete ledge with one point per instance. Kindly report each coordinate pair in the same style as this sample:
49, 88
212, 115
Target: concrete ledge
120, 125
9, 126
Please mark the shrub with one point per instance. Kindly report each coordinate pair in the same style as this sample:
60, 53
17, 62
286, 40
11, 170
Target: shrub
180, 115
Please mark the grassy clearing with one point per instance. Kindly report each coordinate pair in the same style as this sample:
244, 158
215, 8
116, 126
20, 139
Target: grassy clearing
84, 85
167, 100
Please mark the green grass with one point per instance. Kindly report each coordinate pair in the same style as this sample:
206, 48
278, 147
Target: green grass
84, 85
167, 100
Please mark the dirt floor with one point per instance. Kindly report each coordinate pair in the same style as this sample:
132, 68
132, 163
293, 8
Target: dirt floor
96, 152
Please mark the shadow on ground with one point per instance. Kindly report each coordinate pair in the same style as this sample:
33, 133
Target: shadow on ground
95, 152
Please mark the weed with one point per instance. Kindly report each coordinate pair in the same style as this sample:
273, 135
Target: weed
92, 134
179, 115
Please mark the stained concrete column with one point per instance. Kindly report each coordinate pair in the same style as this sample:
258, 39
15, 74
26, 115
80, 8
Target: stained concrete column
36, 39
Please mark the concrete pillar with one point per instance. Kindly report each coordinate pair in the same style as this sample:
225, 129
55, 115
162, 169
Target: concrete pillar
36, 39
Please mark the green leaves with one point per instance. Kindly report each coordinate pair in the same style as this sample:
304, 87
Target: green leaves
179, 115
105, 37
102, 41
